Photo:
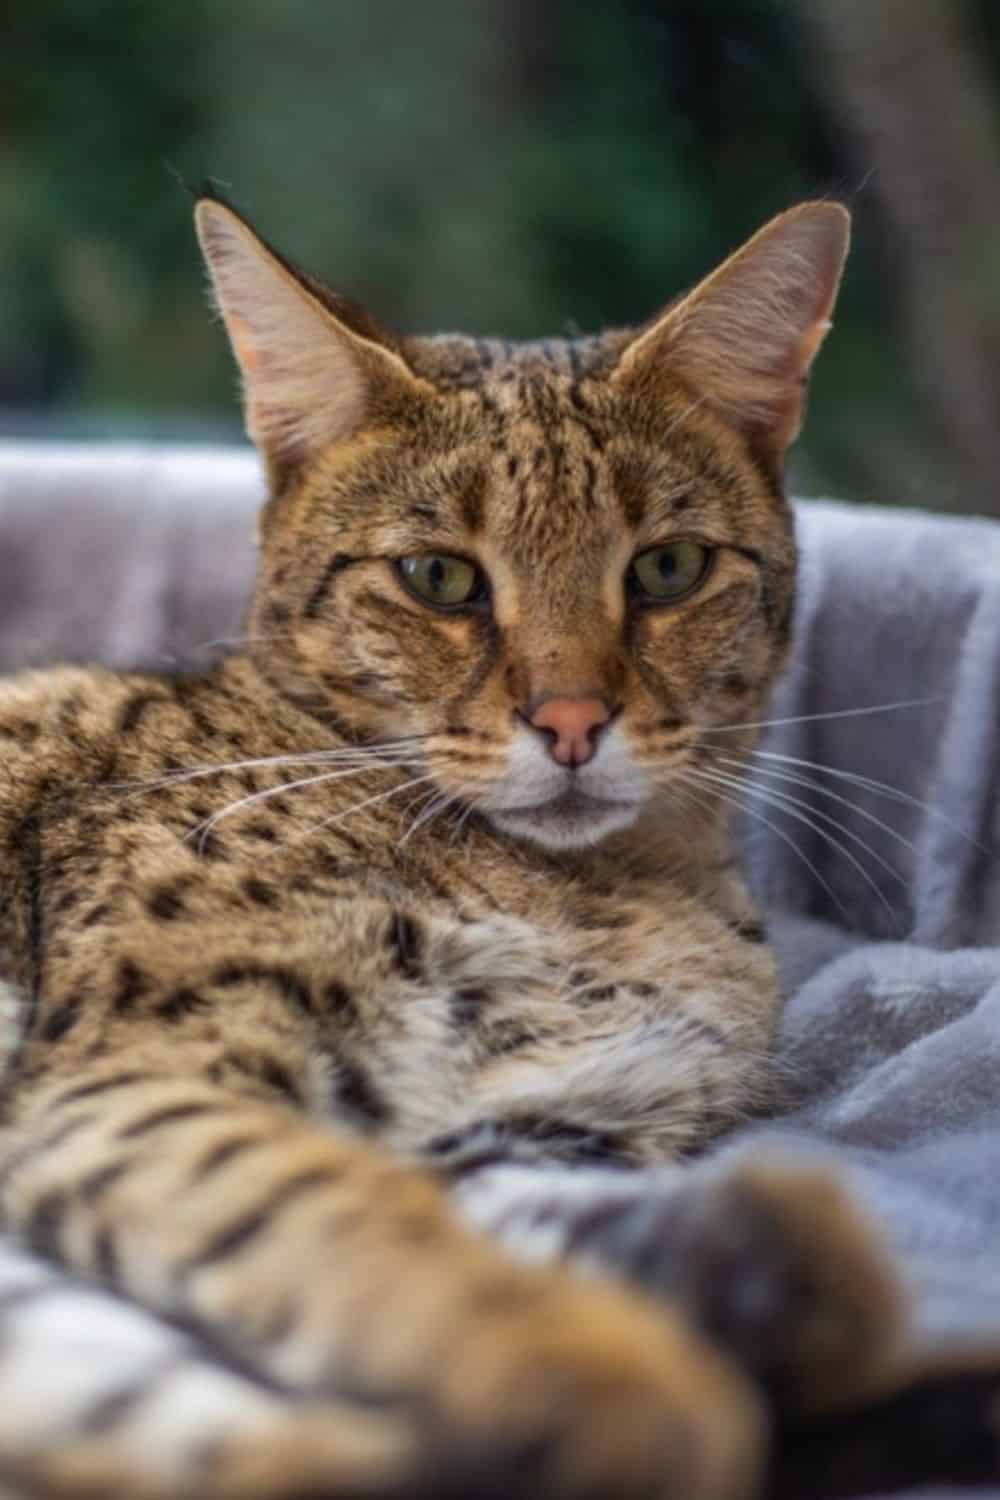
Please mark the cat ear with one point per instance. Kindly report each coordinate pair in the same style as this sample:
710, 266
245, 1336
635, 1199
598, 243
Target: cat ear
744, 339
314, 369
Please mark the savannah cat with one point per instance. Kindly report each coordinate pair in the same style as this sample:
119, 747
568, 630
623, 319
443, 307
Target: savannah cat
423, 891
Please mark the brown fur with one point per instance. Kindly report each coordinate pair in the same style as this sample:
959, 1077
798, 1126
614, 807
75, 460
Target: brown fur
223, 964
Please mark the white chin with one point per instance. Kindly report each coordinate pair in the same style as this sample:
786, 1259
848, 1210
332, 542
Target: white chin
568, 822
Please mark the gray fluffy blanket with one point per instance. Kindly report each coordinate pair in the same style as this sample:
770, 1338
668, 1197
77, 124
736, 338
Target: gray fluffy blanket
872, 835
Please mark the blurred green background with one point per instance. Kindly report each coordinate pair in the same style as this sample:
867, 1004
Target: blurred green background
511, 166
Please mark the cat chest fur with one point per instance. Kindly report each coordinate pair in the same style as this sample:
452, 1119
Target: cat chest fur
413, 989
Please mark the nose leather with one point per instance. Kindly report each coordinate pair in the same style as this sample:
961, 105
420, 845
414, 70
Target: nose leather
572, 724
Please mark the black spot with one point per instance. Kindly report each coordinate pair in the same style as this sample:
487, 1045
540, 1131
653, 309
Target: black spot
406, 938
513, 464
95, 915
166, 904
280, 1078
261, 1067
260, 892
169, 1114
131, 712
506, 1036
597, 994
61, 1020
132, 983
338, 1000
424, 513
580, 977
358, 1097
467, 1005
287, 983
265, 832
180, 1004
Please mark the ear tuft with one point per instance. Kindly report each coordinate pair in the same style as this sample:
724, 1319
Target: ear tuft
308, 379
744, 340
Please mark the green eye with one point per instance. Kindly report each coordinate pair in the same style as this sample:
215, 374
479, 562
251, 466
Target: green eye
668, 573
442, 579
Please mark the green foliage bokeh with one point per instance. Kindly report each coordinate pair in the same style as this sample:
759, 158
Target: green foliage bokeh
510, 167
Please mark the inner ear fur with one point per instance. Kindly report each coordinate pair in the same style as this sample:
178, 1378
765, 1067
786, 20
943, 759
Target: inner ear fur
316, 370
744, 339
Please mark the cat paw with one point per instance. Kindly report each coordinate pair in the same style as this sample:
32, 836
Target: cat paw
591, 1394
774, 1261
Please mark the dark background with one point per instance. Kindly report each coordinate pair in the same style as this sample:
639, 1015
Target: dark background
511, 166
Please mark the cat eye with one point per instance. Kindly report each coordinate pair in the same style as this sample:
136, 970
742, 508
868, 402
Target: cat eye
670, 572
441, 579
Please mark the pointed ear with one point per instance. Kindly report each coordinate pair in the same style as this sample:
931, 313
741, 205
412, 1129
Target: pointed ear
744, 339
310, 378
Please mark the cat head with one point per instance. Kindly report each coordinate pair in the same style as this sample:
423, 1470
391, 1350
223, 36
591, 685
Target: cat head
559, 565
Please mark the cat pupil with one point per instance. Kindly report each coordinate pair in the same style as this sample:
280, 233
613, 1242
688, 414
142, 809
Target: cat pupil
436, 572
667, 564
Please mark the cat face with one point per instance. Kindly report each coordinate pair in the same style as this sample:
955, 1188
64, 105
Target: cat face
556, 565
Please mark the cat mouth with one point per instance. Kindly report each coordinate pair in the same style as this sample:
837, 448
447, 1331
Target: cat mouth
570, 819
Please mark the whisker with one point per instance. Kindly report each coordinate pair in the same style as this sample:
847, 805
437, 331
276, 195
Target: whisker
204, 828
368, 802
841, 713
465, 814
784, 802
815, 786
754, 812
241, 640
437, 806
391, 751
880, 788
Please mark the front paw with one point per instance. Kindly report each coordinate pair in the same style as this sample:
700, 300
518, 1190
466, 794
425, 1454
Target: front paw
582, 1392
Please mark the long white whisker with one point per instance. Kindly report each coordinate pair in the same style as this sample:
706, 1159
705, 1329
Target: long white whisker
786, 838
203, 829
815, 786
784, 802
368, 802
418, 805
842, 713
438, 805
392, 751
881, 788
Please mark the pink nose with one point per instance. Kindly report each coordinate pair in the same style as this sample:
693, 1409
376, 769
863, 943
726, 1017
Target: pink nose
572, 723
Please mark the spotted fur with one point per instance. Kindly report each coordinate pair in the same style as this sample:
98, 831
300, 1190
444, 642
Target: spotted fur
306, 937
